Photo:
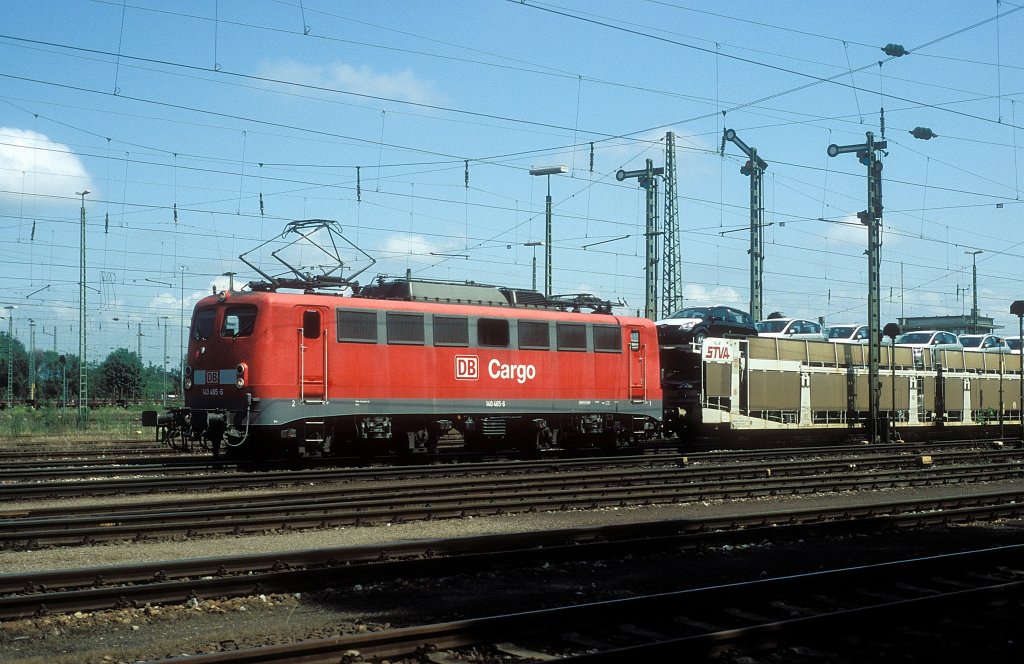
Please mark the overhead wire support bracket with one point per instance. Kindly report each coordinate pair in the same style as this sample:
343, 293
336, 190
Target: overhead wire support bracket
754, 168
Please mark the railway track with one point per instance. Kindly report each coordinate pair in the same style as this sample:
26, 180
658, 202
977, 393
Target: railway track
126, 477
89, 589
402, 500
888, 602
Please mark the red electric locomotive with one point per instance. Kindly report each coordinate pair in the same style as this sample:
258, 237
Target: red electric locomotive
396, 365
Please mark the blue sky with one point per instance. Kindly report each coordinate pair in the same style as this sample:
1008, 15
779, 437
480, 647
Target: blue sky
204, 108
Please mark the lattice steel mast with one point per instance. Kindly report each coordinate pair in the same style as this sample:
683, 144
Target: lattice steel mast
672, 266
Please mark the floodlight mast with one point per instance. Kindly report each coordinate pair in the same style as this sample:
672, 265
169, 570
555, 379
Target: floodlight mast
548, 171
755, 168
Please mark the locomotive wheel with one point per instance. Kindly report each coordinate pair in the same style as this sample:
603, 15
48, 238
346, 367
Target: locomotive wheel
177, 440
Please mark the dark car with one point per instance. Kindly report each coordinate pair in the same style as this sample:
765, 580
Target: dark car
694, 324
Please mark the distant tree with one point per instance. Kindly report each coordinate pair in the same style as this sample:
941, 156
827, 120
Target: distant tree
119, 376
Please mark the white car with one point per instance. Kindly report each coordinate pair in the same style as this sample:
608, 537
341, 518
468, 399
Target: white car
848, 333
934, 339
985, 343
791, 328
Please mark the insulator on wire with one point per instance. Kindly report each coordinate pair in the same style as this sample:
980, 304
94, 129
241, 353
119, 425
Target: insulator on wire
106, 223
591, 156
924, 133
359, 188
175, 213
894, 50
467, 174
261, 203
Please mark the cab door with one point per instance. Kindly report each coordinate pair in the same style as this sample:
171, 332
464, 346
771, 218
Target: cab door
312, 351
637, 366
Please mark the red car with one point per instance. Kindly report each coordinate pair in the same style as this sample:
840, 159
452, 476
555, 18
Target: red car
272, 374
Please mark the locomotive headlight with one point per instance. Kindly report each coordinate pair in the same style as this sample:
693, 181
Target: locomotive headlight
188, 370
188, 383
241, 370
240, 383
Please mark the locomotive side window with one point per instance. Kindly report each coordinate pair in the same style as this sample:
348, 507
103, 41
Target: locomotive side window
451, 331
607, 339
492, 332
311, 324
405, 328
238, 321
571, 336
360, 326
534, 335
202, 324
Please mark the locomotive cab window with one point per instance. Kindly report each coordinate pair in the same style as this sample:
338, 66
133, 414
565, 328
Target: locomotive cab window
238, 321
492, 332
571, 336
607, 339
202, 324
405, 328
358, 326
534, 335
451, 331
311, 324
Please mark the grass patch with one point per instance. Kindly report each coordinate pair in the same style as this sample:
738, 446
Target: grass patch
55, 426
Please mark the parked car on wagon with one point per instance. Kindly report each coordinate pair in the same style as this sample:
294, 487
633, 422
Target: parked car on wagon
791, 328
694, 324
985, 343
1013, 343
939, 339
847, 333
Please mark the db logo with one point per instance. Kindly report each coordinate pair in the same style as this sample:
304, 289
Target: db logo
467, 367
212, 377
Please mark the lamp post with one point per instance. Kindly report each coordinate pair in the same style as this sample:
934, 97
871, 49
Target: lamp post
83, 372
892, 330
181, 337
974, 288
1017, 309
534, 262
10, 355
548, 171
163, 383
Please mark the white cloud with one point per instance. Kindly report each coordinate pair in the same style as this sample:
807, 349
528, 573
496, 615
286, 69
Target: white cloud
698, 295
402, 85
413, 247
32, 164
